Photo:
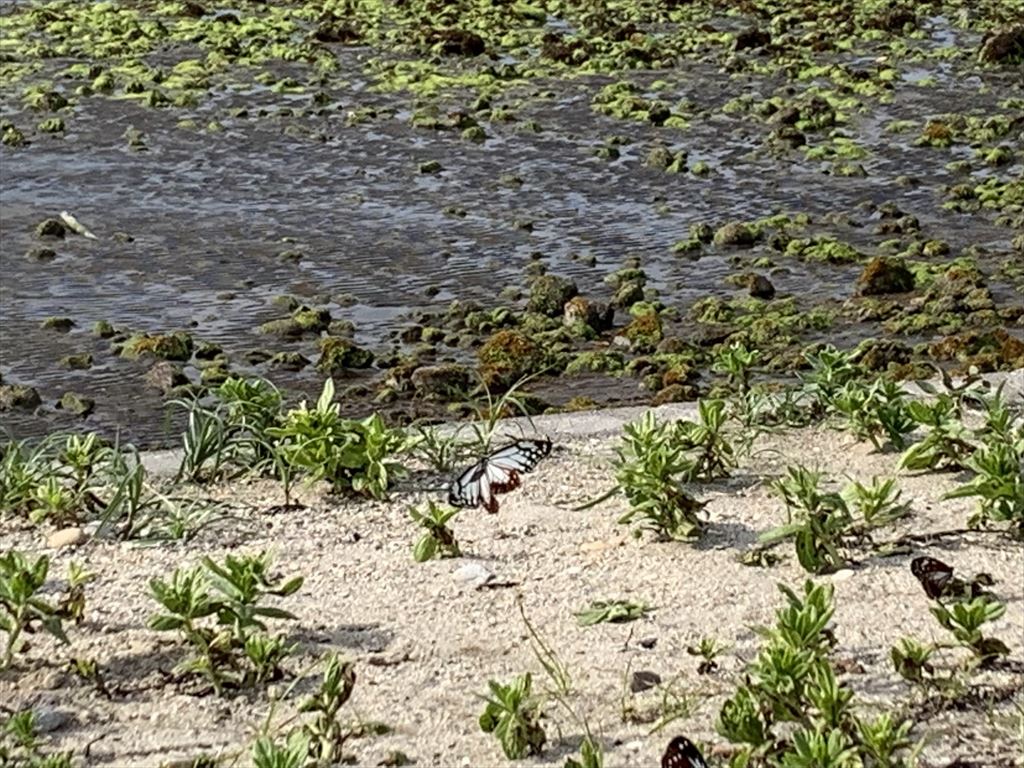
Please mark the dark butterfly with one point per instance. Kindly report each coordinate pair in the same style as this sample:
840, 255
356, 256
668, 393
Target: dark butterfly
938, 580
499, 472
682, 753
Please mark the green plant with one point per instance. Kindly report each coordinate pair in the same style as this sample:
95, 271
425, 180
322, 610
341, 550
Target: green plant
708, 649
946, 444
816, 520
325, 734
877, 504
715, 455
611, 611
349, 454
23, 466
231, 648
250, 408
912, 660
648, 463
206, 443
965, 619
21, 609
294, 753
20, 745
998, 482
877, 412
72, 606
513, 714
736, 362
830, 370
792, 711
441, 450
438, 538
491, 410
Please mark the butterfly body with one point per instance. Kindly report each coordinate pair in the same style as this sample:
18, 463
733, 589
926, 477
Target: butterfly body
499, 472
938, 581
682, 753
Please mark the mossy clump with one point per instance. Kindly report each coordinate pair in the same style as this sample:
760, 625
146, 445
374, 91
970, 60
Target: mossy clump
736, 233
103, 329
59, 324
18, 396
583, 311
167, 346
508, 355
338, 354
448, 381
823, 249
989, 350
51, 228
644, 332
288, 361
76, 404
79, 362
304, 320
549, 293
884, 275
597, 360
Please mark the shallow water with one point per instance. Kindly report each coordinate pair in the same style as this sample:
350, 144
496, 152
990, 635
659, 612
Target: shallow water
209, 214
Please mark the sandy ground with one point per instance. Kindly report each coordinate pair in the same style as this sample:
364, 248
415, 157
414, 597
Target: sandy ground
425, 641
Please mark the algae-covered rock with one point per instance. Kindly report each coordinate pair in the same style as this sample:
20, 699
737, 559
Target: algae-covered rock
214, 375
41, 254
879, 354
79, 362
302, 321
288, 361
823, 249
735, 233
884, 275
548, 294
165, 376
18, 396
675, 393
59, 324
759, 286
103, 329
590, 313
1003, 46
76, 404
628, 294
448, 381
508, 355
169, 346
53, 228
644, 332
339, 354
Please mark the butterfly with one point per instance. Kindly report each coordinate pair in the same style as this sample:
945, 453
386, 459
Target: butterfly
682, 753
498, 472
938, 580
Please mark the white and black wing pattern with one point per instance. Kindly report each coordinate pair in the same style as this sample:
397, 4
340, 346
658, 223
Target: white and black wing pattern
499, 472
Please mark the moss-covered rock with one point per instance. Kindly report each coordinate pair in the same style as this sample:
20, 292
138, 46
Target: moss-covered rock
548, 294
1003, 46
823, 249
593, 361
76, 404
304, 320
736, 233
288, 361
644, 332
165, 376
759, 286
448, 381
18, 396
103, 329
338, 355
508, 356
51, 228
884, 275
41, 254
59, 324
675, 393
78, 362
169, 346
592, 314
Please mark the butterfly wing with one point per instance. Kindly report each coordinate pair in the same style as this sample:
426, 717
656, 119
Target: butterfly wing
935, 576
497, 473
682, 753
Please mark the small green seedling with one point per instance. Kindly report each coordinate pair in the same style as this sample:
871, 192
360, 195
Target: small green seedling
612, 612
438, 539
513, 715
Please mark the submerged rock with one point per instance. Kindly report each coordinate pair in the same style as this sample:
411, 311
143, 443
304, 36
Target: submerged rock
165, 376
590, 313
303, 320
170, 346
288, 361
735, 233
41, 254
51, 228
760, 287
885, 275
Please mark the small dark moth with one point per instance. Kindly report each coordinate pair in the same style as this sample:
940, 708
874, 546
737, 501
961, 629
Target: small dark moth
938, 581
682, 753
